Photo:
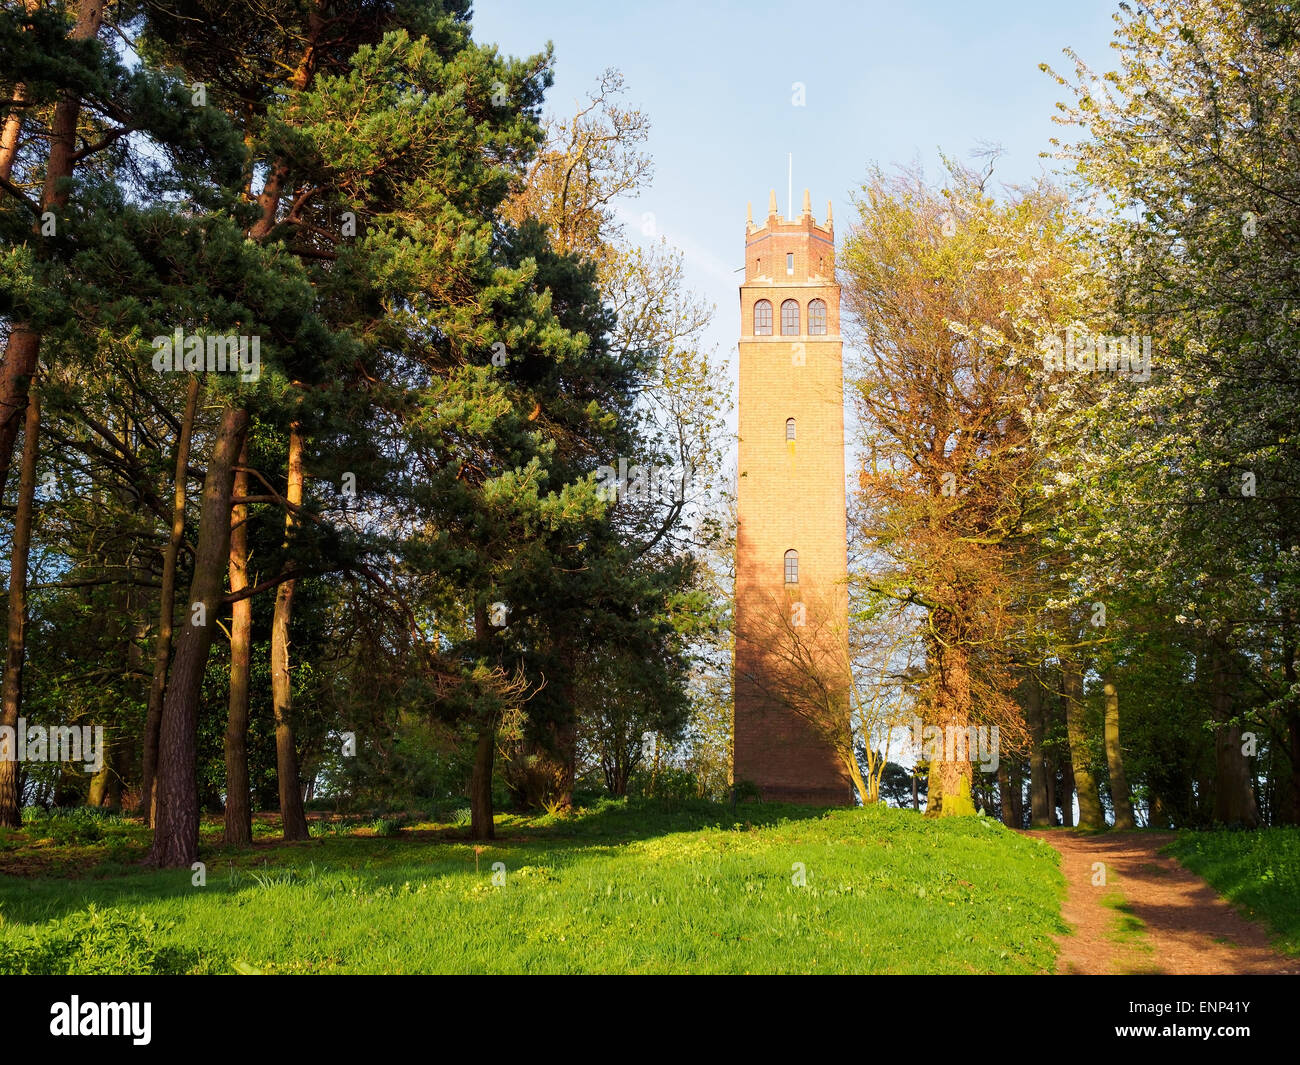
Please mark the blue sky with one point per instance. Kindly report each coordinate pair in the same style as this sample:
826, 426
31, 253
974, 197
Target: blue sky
886, 82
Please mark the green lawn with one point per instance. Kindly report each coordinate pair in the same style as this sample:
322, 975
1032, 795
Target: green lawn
686, 887
1259, 871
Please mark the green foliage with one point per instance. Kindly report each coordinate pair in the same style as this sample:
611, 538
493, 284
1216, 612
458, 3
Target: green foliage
95, 942
74, 825
403, 760
1259, 871
664, 782
379, 339
1177, 485
896, 785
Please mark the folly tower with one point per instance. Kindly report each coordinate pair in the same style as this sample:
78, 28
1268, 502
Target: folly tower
791, 624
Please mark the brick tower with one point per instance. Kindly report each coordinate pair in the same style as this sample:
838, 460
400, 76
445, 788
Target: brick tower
791, 536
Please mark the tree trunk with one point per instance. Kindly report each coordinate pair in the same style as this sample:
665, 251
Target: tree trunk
120, 764
238, 810
1090, 815
565, 734
67, 790
1018, 794
13, 124
1041, 806
480, 785
12, 698
1065, 792
268, 200
1287, 808
292, 816
115, 762
9, 134
24, 341
98, 794
1004, 796
167, 606
1234, 797
855, 775
934, 789
176, 832
957, 774
1120, 797
1292, 808
950, 778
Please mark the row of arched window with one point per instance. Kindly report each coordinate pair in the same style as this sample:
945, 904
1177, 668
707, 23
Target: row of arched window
789, 318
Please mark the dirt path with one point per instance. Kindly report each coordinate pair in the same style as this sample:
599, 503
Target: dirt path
1150, 915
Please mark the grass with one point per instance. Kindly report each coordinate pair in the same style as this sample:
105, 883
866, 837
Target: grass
620, 887
1259, 871
1129, 927
1129, 934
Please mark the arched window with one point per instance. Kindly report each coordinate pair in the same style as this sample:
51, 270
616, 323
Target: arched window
790, 318
789, 428
762, 319
817, 317
792, 567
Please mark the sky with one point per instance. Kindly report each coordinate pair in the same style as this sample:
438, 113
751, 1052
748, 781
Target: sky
892, 83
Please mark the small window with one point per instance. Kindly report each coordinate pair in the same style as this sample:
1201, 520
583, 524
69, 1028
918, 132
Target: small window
789, 428
789, 262
790, 318
763, 318
817, 317
792, 567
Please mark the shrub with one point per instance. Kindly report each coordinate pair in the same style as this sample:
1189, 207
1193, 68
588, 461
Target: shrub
668, 782
73, 825
93, 942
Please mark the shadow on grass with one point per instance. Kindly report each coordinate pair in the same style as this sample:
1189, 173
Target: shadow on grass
65, 879
637, 819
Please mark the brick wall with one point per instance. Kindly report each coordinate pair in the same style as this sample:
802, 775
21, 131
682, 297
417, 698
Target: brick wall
790, 497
